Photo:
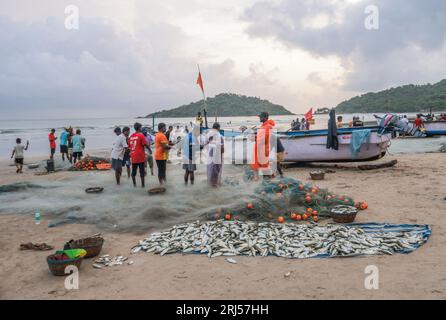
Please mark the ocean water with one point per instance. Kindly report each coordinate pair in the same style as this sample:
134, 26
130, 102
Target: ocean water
99, 132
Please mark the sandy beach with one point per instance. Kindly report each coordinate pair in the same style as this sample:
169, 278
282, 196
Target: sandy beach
413, 191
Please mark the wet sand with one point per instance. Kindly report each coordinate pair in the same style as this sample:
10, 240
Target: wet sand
412, 192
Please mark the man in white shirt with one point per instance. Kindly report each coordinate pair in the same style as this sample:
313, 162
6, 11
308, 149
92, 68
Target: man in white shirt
117, 155
214, 144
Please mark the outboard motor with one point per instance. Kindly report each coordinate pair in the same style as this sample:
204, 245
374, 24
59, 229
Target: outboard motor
388, 123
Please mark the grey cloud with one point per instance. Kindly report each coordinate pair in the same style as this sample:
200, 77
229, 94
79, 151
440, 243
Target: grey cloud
97, 70
409, 29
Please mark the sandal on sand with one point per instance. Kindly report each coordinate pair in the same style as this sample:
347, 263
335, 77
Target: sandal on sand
36, 246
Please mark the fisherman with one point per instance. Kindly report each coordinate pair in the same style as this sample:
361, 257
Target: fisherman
357, 122
199, 119
280, 154
52, 139
303, 124
78, 146
70, 144
162, 148
190, 146
296, 126
117, 155
419, 123
175, 135
126, 159
339, 123
262, 146
137, 143
64, 143
350, 124
148, 150
405, 120
175, 139
19, 154
214, 144
169, 133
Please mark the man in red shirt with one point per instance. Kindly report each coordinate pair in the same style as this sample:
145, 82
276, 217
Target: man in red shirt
137, 144
52, 138
418, 122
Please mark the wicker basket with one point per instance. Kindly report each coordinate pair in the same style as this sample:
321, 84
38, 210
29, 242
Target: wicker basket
317, 175
93, 246
157, 190
57, 267
347, 217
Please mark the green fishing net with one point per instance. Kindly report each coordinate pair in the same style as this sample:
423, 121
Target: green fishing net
285, 198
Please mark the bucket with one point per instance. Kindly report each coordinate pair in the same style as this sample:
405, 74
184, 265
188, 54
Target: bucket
50, 165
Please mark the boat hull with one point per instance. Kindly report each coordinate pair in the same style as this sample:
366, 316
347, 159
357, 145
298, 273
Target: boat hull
435, 128
310, 146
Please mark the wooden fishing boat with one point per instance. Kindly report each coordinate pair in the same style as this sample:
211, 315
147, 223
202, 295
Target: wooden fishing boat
310, 146
435, 128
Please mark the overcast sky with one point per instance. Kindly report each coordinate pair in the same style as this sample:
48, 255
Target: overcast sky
133, 57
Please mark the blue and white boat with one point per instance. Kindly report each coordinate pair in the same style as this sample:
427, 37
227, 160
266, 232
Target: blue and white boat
310, 146
434, 128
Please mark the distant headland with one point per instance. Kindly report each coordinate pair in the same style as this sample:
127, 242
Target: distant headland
224, 105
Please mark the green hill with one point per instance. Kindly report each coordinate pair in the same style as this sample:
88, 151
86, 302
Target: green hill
227, 104
409, 98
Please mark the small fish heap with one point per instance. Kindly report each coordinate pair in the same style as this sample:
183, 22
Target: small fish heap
232, 238
107, 261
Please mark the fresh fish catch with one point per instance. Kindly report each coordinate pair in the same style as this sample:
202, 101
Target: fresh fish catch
107, 261
237, 238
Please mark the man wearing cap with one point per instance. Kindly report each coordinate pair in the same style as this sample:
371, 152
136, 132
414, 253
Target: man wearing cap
262, 145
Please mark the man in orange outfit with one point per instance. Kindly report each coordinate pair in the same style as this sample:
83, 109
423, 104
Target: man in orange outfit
262, 147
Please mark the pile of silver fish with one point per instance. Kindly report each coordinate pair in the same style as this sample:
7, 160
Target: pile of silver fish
232, 238
108, 261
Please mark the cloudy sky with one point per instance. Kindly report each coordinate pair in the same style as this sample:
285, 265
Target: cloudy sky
132, 57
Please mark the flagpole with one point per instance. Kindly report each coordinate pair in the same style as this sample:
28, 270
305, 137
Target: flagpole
204, 99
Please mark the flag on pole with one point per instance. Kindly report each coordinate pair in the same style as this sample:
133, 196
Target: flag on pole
309, 114
200, 81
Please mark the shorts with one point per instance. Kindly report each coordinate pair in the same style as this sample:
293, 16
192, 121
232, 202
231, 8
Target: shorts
18, 160
117, 164
70, 151
126, 160
53, 151
63, 149
142, 171
161, 164
190, 167
280, 156
78, 155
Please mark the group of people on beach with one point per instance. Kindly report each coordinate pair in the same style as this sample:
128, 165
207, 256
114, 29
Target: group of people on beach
71, 144
135, 151
71, 147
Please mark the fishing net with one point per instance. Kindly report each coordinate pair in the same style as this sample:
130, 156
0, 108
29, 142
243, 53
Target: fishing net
284, 200
90, 163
